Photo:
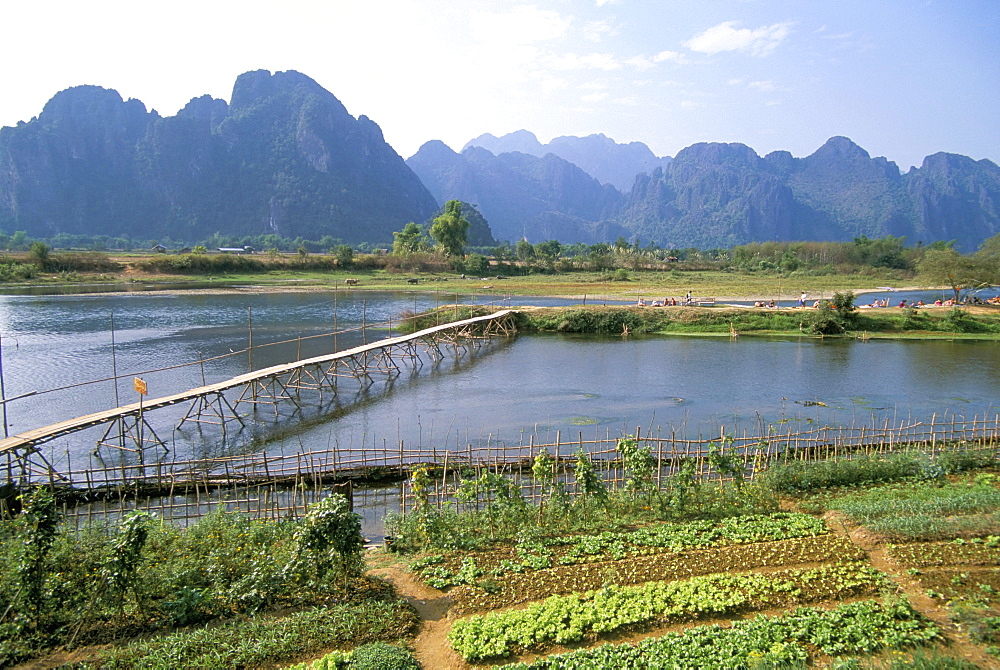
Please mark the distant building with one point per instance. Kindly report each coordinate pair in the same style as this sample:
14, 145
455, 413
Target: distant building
235, 250
159, 248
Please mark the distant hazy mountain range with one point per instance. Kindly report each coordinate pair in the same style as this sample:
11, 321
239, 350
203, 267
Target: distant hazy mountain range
601, 157
285, 157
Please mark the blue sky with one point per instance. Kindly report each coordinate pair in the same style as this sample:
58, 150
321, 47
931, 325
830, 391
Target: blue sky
903, 79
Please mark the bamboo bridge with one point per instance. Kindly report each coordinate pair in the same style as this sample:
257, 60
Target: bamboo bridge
128, 429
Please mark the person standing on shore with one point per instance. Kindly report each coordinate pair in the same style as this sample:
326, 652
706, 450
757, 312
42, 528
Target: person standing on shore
802, 299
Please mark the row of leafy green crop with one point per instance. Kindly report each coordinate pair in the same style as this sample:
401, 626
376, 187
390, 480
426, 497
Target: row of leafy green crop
370, 656
571, 618
491, 507
855, 628
800, 476
66, 587
537, 553
265, 641
974, 551
922, 510
491, 594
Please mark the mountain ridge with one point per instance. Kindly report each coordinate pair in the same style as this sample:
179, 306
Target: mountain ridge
285, 157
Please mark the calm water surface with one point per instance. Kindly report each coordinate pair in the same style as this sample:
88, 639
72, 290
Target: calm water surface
532, 386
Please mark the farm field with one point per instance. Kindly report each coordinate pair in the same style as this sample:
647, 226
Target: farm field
789, 589
900, 568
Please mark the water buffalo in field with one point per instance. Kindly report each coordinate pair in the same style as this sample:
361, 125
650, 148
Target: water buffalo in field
352, 282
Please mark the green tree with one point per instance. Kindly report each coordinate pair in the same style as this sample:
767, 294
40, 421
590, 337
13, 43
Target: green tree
18, 241
39, 253
477, 265
549, 250
344, 255
524, 251
450, 229
989, 255
959, 272
408, 240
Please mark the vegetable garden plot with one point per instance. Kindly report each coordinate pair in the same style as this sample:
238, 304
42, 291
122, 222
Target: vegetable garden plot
977, 551
856, 628
487, 592
576, 617
975, 586
442, 571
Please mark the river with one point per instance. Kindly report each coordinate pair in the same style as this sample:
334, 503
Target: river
535, 385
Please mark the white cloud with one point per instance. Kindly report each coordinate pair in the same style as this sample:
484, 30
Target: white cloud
553, 84
670, 56
595, 31
688, 104
602, 3
595, 97
643, 63
762, 86
734, 82
727, 37
525, 24
593, 61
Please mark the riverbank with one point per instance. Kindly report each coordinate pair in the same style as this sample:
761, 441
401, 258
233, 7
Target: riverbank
138, 273
970, 323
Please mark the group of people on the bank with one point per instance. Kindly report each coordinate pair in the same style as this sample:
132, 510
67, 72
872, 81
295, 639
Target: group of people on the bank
666, 302
803, 299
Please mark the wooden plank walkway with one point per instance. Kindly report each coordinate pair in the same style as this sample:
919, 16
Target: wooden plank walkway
36, 436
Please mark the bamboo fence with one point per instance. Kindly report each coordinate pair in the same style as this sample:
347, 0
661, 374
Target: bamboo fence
376, 476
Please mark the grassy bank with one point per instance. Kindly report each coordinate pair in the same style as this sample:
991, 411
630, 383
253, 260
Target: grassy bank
387, 272
942, 322
928, 323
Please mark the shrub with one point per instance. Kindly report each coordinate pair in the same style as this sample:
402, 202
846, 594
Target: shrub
477, 265
328, 541
807, 476
382, 656
960, 461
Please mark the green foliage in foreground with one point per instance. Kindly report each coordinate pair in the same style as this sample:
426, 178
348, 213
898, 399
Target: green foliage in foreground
565, 619
382, 656
73, 587
266, 641
494, 503
855, 628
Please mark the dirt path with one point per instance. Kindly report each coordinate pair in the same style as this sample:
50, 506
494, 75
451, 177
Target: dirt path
431, 644
874, 546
